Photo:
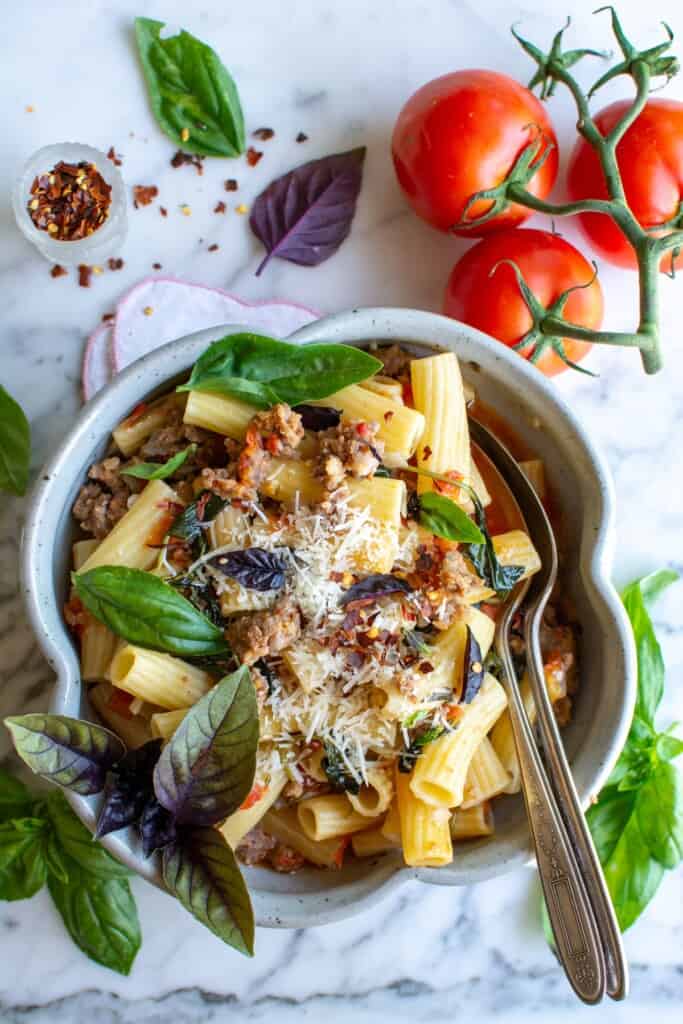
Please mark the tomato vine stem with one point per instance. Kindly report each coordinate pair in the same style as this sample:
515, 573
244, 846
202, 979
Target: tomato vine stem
642, 66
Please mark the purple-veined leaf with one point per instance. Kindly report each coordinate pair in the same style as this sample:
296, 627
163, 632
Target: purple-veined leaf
473, 674
318, 417
305, 215
128, 789
254, 568
372, 587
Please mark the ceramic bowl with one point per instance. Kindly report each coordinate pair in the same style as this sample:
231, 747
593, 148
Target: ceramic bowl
581, 481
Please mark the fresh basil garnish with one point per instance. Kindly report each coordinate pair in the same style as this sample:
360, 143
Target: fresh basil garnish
473, 675
201, 871
73, 753
483, 557
193, 97
446, 519
415, 747
263, 371
128, 789
15, 446
254, 568
337, 771
144, 610
191, 524
15, 799
318, 417
207, 768
23, 868
372, 587
160, 470
305, 215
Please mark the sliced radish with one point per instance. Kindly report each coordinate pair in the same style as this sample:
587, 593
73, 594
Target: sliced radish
97, 364
157, 310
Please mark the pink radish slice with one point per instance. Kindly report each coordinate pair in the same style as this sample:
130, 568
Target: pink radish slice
97, 367
157, 310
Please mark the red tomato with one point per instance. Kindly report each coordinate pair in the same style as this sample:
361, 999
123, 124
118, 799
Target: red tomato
494, 304
462, 133
650, 158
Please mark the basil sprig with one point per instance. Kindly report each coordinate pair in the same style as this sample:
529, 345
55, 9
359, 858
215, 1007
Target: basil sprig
42, 841
263, 371
637, 821
445, 518
193, 97
144, 610
160, 470
15, 446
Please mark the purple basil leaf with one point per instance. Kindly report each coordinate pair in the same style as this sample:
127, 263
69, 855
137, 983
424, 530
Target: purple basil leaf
318, 417
254, 568
157, 827
129, 788
73, 753
305, 215
372, 587
207, 768
473, 675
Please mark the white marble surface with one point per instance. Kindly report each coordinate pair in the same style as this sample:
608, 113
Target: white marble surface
339, 72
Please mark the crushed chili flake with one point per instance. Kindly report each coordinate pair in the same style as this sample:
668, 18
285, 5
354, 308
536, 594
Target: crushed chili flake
114, 263
425, 667
106, 317
301, 137
220, 207
70, 201
388, 415
58, 271
426, 452
263, 134
144, 194
30, 108
115, 157
84, 275
231, 185
253, 156
241, 208
148, 310
163, 211
97, 269
180, 158
156, 266
213, 248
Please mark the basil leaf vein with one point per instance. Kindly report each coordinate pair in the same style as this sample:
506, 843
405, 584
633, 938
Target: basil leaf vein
159, 471
446, 519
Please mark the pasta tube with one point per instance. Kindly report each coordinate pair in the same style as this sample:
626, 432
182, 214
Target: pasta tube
400, 427
235, 828
133, 731
374, 797
486, 776
472, 823
386, 386
143, 421
425, 831
284, 825
164, 723
534, 471
512, 548
97, 642
371, 843
219, 413
158, 678
325, 817
445, 442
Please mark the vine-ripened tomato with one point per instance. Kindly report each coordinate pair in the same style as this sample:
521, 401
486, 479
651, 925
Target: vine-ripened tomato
650, 158
462, 133
493, 302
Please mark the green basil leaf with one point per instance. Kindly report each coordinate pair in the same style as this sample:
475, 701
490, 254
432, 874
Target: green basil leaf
668, 747
632, 875
264, 371
22, 863
193, 97
159, 471
445, 518
201, 871
144, 610
15, 799
483, 557
56, 861
15, 446
659, 810
78, 844
207, 769
100, 916
607, 820
68, 751
636, 598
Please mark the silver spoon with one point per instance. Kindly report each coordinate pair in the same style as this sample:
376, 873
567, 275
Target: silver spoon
537, 594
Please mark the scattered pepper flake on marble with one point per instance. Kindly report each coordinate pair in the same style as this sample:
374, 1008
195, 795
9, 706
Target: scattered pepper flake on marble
156, 266
180, 158
115, 263
58, 270
263, 134
144, 194
220, 207
301, 137
163, 211
148, 310
30, 108
115, 157
84, 275
214, 247
97, 269
70, 202
107, 317
231, 185
253, 156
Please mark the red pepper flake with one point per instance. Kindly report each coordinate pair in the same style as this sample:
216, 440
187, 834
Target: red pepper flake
58, 271
115, 158
144, 194
253, 156
214, 247
107, 317
301, 137
115, 264
180, 158
426, 453
84, 275
388, 415
425, 667
156, 266
163, 211
220, 207
231, 185
70, 201
263, 134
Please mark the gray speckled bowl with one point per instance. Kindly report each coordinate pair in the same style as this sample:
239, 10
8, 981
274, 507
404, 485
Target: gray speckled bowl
579, 477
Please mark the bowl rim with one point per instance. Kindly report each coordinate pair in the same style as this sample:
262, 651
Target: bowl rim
385, 324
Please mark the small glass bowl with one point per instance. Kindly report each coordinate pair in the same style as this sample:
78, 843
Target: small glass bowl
106, 240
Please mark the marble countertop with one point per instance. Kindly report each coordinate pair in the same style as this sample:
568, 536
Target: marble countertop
339, 73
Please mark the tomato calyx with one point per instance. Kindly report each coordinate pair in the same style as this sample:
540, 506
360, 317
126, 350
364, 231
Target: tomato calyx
660, 66
553, 62
547, 322
529, 161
